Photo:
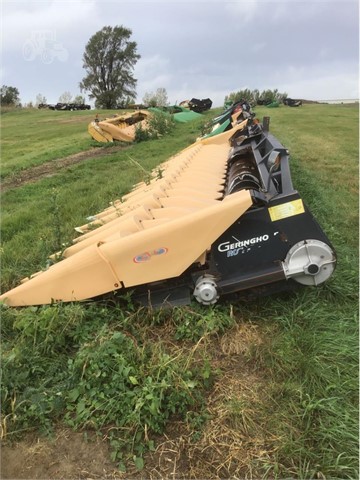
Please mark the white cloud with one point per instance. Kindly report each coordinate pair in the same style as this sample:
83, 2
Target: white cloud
152, 73
246, 10
321, 84
258, 47
151, 65
4, 73
21, 20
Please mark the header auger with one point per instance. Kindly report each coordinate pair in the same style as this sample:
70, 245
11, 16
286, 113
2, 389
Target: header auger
223, 218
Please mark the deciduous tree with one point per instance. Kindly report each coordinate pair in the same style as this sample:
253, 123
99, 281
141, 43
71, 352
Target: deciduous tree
65, 97
253, 96
157, 99
40, 100
109, 59
9, 96
79, 100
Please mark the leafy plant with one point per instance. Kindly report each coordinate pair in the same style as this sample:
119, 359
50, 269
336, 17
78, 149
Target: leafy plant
135, 388
192, 324
94, 375
158, 124
141, 134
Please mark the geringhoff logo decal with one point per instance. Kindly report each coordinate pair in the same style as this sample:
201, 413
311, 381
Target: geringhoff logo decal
146, 256
244, 246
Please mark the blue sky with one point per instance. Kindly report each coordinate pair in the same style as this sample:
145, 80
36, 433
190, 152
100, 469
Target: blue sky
197, 48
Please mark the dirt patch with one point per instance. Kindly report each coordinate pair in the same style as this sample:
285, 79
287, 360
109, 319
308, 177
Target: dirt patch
48, 169
68, 456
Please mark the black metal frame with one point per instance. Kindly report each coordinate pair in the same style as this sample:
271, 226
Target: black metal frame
247, 258
250, 253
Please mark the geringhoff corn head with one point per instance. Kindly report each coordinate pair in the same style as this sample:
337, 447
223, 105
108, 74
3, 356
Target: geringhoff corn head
118, 127
220, 217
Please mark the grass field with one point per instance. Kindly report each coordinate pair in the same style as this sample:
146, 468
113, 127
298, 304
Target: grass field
260, 389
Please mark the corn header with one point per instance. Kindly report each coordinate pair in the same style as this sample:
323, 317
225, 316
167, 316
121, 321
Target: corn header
222, 219
118, 127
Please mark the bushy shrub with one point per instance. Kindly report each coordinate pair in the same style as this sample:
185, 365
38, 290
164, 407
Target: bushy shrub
159, 124
141, 133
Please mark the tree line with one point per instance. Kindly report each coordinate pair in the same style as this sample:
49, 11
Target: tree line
255, 97
109, 60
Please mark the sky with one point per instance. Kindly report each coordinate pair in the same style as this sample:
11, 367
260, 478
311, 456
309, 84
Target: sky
192, 48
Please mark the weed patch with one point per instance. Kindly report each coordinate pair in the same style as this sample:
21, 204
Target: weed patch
158, 125
94, 375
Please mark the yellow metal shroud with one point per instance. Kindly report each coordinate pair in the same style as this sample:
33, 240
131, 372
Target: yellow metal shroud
154, 233
119, 127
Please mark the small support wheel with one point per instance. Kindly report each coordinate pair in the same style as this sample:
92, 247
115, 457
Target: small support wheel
205, 290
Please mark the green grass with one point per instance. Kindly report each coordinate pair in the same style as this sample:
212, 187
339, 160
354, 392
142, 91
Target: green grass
287, 398
32, 137
313, 353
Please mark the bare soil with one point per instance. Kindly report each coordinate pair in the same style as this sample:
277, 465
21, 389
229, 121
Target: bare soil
48, 169
67, 456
